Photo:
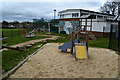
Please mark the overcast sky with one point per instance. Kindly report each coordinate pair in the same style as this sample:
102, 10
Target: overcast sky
26, 11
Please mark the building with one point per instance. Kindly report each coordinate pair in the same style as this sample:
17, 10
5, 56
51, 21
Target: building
100, 22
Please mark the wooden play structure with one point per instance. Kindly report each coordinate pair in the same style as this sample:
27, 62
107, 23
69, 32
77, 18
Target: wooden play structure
30, 34
79, 37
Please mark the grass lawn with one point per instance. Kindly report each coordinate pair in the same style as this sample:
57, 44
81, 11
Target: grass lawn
14, 36
10, 58
21, 38
10, 29
11, 32
100, 42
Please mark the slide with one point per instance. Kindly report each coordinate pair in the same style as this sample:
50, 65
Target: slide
66, 45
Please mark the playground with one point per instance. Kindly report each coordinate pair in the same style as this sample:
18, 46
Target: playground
50, 62
50, 55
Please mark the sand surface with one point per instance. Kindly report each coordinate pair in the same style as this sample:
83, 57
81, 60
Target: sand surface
51, 63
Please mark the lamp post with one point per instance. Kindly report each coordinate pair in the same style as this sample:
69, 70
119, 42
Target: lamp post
54, 17
54, 13
49, 27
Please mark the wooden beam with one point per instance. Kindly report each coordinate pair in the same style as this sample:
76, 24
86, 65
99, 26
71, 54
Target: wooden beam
13, 48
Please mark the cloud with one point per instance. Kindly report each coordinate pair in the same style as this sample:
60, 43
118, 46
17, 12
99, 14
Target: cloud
26, 11
51, 0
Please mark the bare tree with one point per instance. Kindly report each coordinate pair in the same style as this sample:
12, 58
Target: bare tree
110, 7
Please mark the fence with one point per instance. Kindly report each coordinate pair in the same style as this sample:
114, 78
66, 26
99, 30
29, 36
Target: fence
10, 33
114, 42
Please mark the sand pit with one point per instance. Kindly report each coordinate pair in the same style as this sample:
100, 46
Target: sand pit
51, 63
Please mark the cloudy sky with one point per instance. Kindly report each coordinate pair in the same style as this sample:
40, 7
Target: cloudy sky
27, 10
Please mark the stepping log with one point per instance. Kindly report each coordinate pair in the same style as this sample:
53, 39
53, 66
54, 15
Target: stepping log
13, 48
28, 46
44, 41
32, 43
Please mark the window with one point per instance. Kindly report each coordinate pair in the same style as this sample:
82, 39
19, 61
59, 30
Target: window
60, 16
105, 17
93, 16
84, 14
99, 17
75, 14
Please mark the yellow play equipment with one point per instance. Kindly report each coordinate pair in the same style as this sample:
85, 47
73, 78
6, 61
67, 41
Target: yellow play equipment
81, 51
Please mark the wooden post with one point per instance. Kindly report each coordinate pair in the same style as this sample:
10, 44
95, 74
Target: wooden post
78, 35
81, 24
91, 26
110, 36
85, 24
87, 39
119, 29
72, 43
2, 34
103, 31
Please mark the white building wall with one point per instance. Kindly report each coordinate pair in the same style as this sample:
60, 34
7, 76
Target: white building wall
98, 26
107, 28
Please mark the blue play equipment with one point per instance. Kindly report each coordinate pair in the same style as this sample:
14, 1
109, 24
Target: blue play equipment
66, 45
3, 38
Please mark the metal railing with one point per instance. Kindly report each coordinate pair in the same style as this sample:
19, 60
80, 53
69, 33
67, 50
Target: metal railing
114, 42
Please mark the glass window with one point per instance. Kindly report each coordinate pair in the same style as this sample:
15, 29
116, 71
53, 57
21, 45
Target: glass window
100, 17
93, 16
75, 14
84, 14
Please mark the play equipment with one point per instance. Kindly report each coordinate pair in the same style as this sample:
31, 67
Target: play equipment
31, 34
4, 41
3, 38
81, 50
66, 45
79, 47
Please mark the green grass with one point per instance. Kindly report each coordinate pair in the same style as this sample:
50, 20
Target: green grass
10, 58
21, 39
100, 42
11, 32
10, 29
14, 36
